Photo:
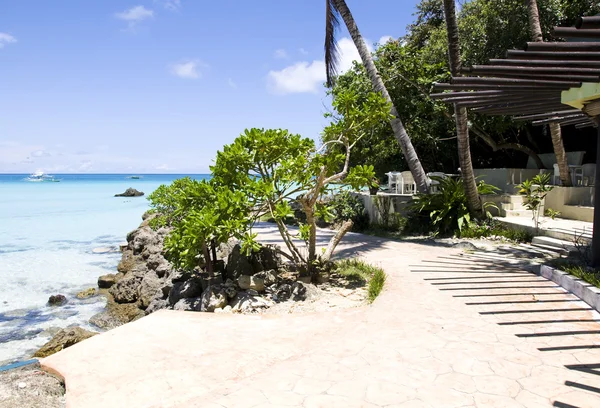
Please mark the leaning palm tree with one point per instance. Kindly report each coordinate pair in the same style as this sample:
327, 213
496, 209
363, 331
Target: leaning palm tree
460, 114
334, 9
535, 30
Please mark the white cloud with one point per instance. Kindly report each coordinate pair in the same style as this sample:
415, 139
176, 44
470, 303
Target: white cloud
85, 165
303, 51
135, 15
163, 167
231, 83
307, 76
171, 5
385, 39
281, 54
40, 153
6, 39
188, 69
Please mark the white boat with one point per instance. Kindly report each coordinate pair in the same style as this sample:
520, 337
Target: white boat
40, 176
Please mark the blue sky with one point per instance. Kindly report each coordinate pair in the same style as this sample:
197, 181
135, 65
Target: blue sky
153, 86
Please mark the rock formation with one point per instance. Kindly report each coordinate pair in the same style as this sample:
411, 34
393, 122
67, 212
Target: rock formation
147, 282
63, 339
130, 192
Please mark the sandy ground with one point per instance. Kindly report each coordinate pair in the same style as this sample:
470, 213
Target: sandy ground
29, 387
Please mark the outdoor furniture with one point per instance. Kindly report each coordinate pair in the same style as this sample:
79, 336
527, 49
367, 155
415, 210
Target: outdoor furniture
394, 177
589, 174
576, 175
433, 184
407, 183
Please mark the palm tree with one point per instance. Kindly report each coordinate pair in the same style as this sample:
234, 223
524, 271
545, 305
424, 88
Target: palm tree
460, 113
535, 29
335, 8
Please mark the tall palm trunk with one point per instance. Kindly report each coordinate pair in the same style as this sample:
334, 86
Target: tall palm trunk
410, 155
462, 128
535, 29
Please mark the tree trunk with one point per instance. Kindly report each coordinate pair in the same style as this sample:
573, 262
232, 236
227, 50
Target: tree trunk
535, 29
335, 240
402, 137
462, 128
534, 21
561, 155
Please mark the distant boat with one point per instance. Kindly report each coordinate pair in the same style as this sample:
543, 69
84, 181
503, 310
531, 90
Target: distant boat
41, 176
135, 177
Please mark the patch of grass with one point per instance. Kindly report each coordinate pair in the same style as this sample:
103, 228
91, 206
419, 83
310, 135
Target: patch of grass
360, 271
495, 228
590, 275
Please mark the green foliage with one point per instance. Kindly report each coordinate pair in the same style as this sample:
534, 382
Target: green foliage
491, 227
549, 212
590, 275
203, 215
447, 209
346, 206
534, 192
359, 271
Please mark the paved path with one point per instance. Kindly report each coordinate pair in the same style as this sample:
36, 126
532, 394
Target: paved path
451, 329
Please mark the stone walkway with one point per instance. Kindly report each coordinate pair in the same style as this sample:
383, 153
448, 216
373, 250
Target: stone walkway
451, 329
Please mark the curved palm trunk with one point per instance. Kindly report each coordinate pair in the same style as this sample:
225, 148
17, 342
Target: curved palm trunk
561, 155
535, 29
397, 126
462, 127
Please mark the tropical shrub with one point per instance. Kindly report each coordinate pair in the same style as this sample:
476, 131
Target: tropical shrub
535, 191
346, 206
447, 209
492, 228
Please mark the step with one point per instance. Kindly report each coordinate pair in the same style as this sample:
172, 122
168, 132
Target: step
515, 213
513, 199
550, 242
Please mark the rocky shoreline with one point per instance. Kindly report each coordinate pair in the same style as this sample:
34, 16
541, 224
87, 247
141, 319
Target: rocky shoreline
145, 281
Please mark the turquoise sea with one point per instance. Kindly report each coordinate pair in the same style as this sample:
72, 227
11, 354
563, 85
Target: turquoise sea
48, 233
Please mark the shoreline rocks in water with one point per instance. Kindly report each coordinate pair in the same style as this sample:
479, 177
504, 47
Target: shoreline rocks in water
130, 192
57, 300
63, 339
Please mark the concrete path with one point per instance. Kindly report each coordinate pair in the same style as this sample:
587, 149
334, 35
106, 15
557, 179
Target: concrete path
451, 329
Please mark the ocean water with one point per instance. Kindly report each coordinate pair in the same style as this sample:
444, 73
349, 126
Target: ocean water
48, 231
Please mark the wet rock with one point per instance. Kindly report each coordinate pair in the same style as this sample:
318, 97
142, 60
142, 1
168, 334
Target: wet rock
63, 339
57, 300
251, 282
181, 290
212, 298
88, 293
130, 192
238, 263
108, 280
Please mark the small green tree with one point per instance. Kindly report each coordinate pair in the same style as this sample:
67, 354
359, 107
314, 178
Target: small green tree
203, 215
534, 192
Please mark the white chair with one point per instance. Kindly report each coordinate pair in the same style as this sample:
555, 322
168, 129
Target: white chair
589, 174
394, 177
433, 184
408, 185
556, 178
576, 175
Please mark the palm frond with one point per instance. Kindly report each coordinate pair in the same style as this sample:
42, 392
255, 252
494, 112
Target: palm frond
332, 22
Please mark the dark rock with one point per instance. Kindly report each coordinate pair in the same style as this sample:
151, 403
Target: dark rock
269, 277
238, 263
88, 293
130, 192
230, 291
179, 275
283, 293
106, 281
63, 339
266, 258
189, 304
246, 303
155, 305
298, 291
150, 284
212, 298
183, 290
57, 300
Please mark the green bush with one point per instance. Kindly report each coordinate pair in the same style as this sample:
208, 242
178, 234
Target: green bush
360, 271
492, 227
447, 209
345, 206
582, 272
